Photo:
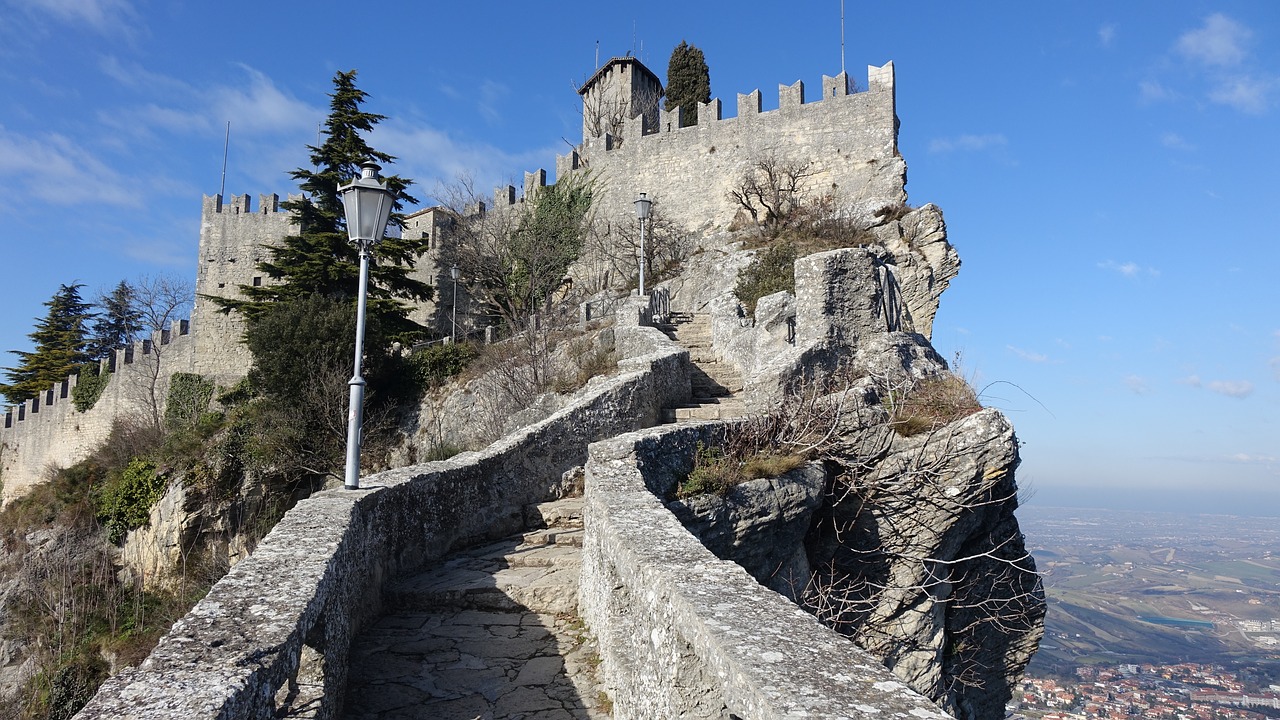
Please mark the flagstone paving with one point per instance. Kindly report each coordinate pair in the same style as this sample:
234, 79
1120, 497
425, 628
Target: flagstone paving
489, 633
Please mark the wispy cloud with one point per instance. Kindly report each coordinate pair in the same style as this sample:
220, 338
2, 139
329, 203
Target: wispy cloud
1175, 141
1107, 34
491, 92
56, 169
1151, 91
1245, 93
433, 157
1028, 355
967, 143
1275, 367
1220, 54
1128, 269
1231, 388
106, 17
1191, 380
1220, 41
1251, 459
1137, 384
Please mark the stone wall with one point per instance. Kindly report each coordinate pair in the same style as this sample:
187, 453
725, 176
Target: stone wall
684, 634
849, 141
292, 607
48, 432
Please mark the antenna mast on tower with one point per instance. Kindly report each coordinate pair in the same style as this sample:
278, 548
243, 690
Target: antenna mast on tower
226, 142
842, 37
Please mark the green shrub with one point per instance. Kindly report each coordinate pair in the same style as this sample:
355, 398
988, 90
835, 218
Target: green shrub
124, 503
435, 364
770, 271
189, 397
89, 386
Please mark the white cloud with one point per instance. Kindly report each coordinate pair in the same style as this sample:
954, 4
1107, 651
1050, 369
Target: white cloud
108, 17
1251, 459
260, 108
1107, 34
55, 169
1192, 380
1244, 93
1220, 41
1232, 388
1137, 384
431, 156
967, 143
1150, 91
1175, 141
491, 93
1028, 355
1128, 269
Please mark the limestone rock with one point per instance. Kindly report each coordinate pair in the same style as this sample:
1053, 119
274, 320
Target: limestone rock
924, 560
761, 525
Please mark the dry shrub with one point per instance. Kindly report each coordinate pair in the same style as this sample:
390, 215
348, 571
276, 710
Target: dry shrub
933, 402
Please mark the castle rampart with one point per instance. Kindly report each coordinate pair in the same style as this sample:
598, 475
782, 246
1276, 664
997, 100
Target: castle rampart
847, 143
48, 432
233, 240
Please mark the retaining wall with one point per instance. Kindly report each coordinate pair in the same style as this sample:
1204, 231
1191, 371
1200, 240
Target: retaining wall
291, 609
684, 634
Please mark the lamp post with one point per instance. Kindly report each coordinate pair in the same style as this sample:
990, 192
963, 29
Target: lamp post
367, 203
453, 336
643, 204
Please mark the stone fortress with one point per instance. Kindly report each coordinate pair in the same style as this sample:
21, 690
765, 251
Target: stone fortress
848, 139
683, 632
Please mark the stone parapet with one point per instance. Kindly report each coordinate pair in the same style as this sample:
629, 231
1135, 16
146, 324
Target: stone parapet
684, 634
292, 608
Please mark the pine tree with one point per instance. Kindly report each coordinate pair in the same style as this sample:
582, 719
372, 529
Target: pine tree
60, 341
118, 323
321, 259
688, 82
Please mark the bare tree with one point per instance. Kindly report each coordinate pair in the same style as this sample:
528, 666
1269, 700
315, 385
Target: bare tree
606, 112
772, 190
160, 301
617, 247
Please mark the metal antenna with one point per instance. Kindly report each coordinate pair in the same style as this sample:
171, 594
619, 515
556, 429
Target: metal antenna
842, 36
225, 143
597, 55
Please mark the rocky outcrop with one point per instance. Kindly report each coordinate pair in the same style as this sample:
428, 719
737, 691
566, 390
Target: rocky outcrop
919, 558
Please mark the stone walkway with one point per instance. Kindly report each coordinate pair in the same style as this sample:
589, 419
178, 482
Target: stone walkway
489, 633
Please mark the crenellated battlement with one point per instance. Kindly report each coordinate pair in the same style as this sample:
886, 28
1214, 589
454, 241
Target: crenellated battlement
240, 204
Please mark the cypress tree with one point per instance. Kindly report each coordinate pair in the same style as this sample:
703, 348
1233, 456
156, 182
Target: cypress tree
688, 82
118, 324
60, 341
321, 260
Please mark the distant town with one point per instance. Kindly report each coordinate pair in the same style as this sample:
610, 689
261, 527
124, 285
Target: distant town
1183, 691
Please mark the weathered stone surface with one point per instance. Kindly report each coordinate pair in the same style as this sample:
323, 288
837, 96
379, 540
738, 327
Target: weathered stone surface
319, 574
760, 525
684, 634
922, 563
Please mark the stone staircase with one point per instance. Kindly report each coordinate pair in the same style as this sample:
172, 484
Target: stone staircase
489, 632
715, 384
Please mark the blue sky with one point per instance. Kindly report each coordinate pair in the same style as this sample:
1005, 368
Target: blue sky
1107, 171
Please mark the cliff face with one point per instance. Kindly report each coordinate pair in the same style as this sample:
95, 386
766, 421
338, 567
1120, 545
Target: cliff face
911, 548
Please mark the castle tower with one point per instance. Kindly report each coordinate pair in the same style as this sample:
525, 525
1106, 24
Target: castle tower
622, 89
233, 240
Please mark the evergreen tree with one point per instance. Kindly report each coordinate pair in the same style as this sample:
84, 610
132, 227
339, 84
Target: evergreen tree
60, 341
118, 324
688, 82
321, 259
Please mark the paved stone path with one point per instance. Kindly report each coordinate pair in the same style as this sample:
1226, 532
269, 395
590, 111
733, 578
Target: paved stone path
715, 384
489, 633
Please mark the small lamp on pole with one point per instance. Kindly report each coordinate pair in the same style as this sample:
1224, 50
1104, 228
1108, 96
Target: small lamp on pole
368, 203
454, 273
643, 205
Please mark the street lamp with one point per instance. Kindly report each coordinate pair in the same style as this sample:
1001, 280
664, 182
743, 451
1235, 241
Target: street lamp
453, 336
643, 204
367, 203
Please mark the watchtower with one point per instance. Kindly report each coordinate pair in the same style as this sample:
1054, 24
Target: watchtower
622, 89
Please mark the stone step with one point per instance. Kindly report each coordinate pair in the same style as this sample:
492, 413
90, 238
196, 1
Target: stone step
563, 513
571, 537
716, 409
542, 579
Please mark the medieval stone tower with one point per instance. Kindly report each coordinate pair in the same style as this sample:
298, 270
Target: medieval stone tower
232, 243
622, 89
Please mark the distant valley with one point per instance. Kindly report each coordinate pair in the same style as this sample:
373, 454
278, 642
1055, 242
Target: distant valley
1161, 588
